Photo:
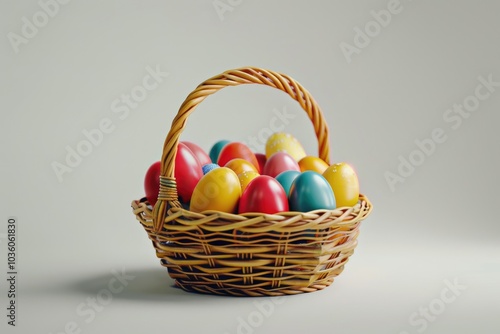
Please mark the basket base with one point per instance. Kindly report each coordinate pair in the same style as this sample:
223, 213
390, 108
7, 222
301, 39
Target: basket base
258, 290
271, 255
254, 292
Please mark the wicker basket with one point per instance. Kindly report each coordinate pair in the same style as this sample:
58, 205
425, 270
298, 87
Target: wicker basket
249, 254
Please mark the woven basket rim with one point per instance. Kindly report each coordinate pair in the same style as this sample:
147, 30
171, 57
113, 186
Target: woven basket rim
217, 221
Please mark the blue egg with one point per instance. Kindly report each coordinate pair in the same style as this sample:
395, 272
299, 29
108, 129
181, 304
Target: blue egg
311, 191
215, 150
286, 179
208, 167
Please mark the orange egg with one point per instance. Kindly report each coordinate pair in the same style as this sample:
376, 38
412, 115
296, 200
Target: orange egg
312, 163
239, 165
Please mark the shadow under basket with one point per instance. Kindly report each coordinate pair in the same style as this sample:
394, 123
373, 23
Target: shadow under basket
251, 254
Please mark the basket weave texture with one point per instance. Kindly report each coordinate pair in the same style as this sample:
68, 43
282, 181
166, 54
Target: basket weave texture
249, 254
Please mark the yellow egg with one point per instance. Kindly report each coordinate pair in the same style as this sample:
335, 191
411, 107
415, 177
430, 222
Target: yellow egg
344, 183
219, 190
239, 165
312, 163
284, 142
246, 177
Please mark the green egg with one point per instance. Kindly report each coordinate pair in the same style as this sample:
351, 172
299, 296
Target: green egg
311, 191
215, 150
286, 179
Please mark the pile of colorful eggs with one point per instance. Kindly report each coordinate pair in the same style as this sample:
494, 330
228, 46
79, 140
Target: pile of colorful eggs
234, 179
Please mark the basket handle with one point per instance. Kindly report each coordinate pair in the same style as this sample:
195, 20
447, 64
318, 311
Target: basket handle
246, 75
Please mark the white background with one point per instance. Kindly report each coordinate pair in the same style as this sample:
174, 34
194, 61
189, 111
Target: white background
439, 225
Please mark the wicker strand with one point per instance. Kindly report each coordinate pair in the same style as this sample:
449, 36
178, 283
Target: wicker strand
168, 189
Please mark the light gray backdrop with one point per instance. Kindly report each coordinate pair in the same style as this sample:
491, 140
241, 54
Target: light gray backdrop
411, 93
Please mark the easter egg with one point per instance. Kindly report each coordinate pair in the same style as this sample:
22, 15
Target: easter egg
284, 142
278, 163
312, 163
246, 177
344, 182
198, 152
264, 195
208, 167
152, 182
237, 150
286, 179
187, 172
311, 191
239, 165
261, 158
216, 148
219, 190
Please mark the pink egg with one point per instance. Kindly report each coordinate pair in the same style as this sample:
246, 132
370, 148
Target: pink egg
280, 162
198, 152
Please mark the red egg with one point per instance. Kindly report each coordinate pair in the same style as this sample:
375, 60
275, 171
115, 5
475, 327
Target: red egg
264, 195
237, 150
152, 182
198, 152
280, 162
188, 171
261, 158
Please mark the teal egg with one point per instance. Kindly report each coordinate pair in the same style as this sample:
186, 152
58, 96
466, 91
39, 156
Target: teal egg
215, 150
311, 191
286, 179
